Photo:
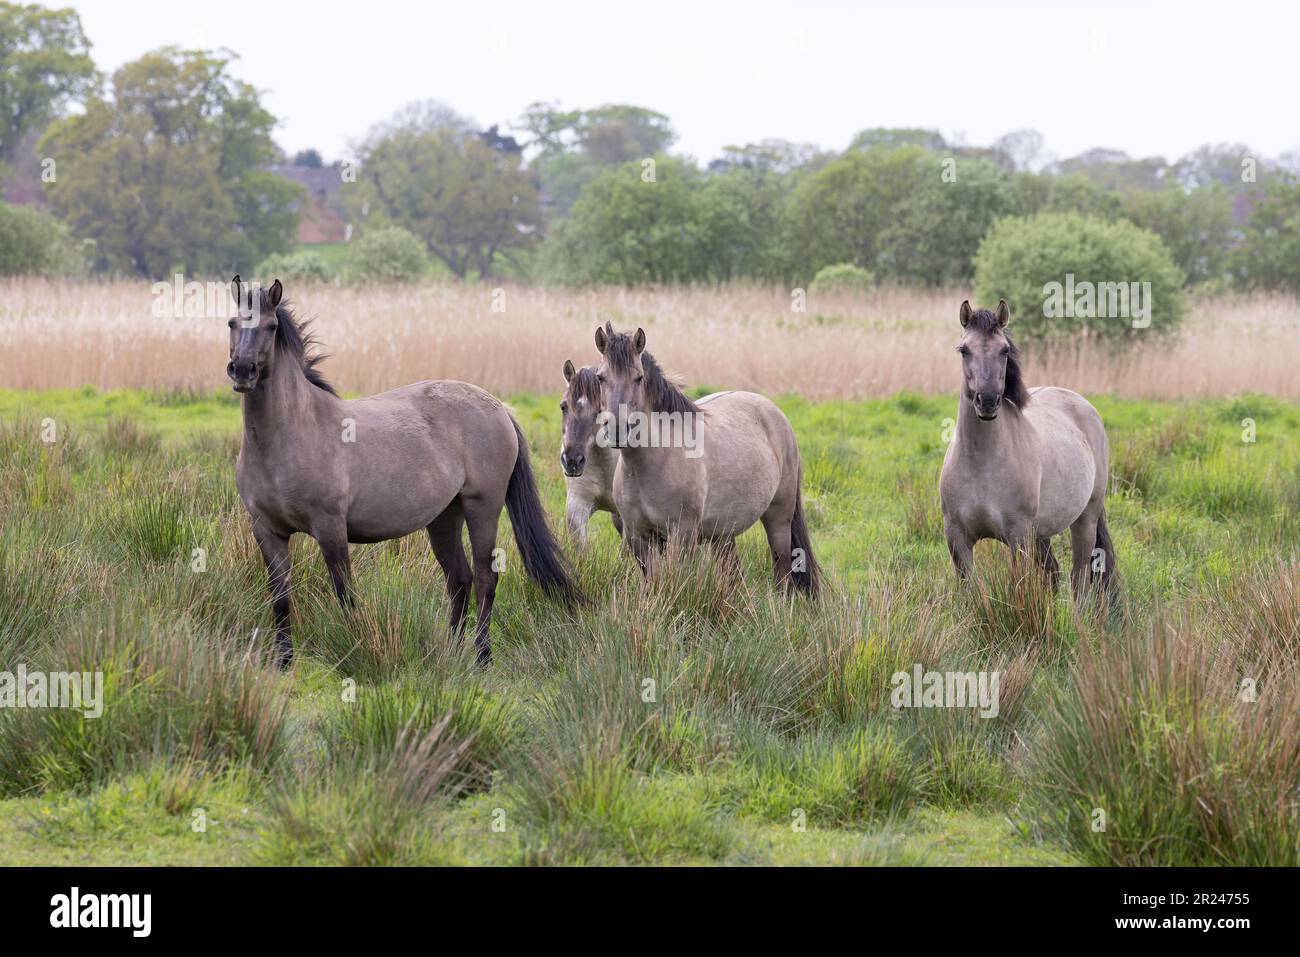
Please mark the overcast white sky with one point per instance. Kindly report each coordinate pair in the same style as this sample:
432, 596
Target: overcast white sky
1145, 77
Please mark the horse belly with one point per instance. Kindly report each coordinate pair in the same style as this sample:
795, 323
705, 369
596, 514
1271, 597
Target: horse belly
738, 493
1063, 497
378, 513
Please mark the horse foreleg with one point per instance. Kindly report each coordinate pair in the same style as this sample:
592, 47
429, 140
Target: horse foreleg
961, 548
483, 519
275, 552
1047, 561
641, 548
577, 513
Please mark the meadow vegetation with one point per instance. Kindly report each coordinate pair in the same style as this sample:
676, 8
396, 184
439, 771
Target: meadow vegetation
696, 717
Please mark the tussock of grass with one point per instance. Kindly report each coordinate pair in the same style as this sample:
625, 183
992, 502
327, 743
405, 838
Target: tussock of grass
1153, 732
169, 694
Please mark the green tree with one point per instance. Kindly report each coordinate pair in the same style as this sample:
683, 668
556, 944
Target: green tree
1196, 225
626, 228
467, 202
573, 147
44, 63
168, 170
1269, 254
905, 214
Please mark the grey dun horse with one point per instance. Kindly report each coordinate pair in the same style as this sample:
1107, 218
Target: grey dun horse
436, 455
588, 463
742, 465
1024, 465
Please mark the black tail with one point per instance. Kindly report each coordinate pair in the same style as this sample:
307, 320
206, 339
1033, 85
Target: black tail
804, 570
543, 560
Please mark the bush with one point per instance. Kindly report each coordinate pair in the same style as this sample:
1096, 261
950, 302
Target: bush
301, 266
388, 254
842, 278
35, 243
1064, 274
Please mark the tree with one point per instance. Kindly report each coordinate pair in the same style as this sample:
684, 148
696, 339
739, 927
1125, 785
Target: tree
44, 63
168, 170
1196, 225
879, 137
902, 214
467, 201
1269, 254
573, 147
628, 229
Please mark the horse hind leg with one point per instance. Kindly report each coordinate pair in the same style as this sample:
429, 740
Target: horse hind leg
333, 542
1089, 562
483, 519
445, 538
777, 525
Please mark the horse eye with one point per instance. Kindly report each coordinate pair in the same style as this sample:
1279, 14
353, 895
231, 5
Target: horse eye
1006, 352
272, 327
231, 323
963, 350
600, 378
564, 407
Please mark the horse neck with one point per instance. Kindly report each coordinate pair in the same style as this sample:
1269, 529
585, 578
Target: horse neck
279, 403
977, 438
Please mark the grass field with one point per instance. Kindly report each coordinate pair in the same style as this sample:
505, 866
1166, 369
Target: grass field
693, 718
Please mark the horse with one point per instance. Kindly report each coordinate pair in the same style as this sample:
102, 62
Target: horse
701, 471
1024, 464
435, 455
587, 460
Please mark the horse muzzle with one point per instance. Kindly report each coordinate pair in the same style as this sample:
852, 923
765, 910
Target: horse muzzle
986, 405
243, 375
573, 464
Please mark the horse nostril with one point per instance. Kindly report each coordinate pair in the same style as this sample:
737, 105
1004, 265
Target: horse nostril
230, 369
579, 460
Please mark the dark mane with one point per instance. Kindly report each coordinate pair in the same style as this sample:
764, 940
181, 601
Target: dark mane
1014, 389
662, 394
297, 340
585, 385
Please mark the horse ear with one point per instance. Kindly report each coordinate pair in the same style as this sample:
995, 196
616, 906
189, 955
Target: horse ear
1004, 313
964, 314
638, 341
568, 370
600, 340
274, 293
237, 289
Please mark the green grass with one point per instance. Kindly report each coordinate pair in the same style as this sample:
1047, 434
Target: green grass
691, 719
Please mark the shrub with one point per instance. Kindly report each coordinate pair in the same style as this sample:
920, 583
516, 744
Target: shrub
35, 243
301, 266
842, 278
388, 254
1064, 274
